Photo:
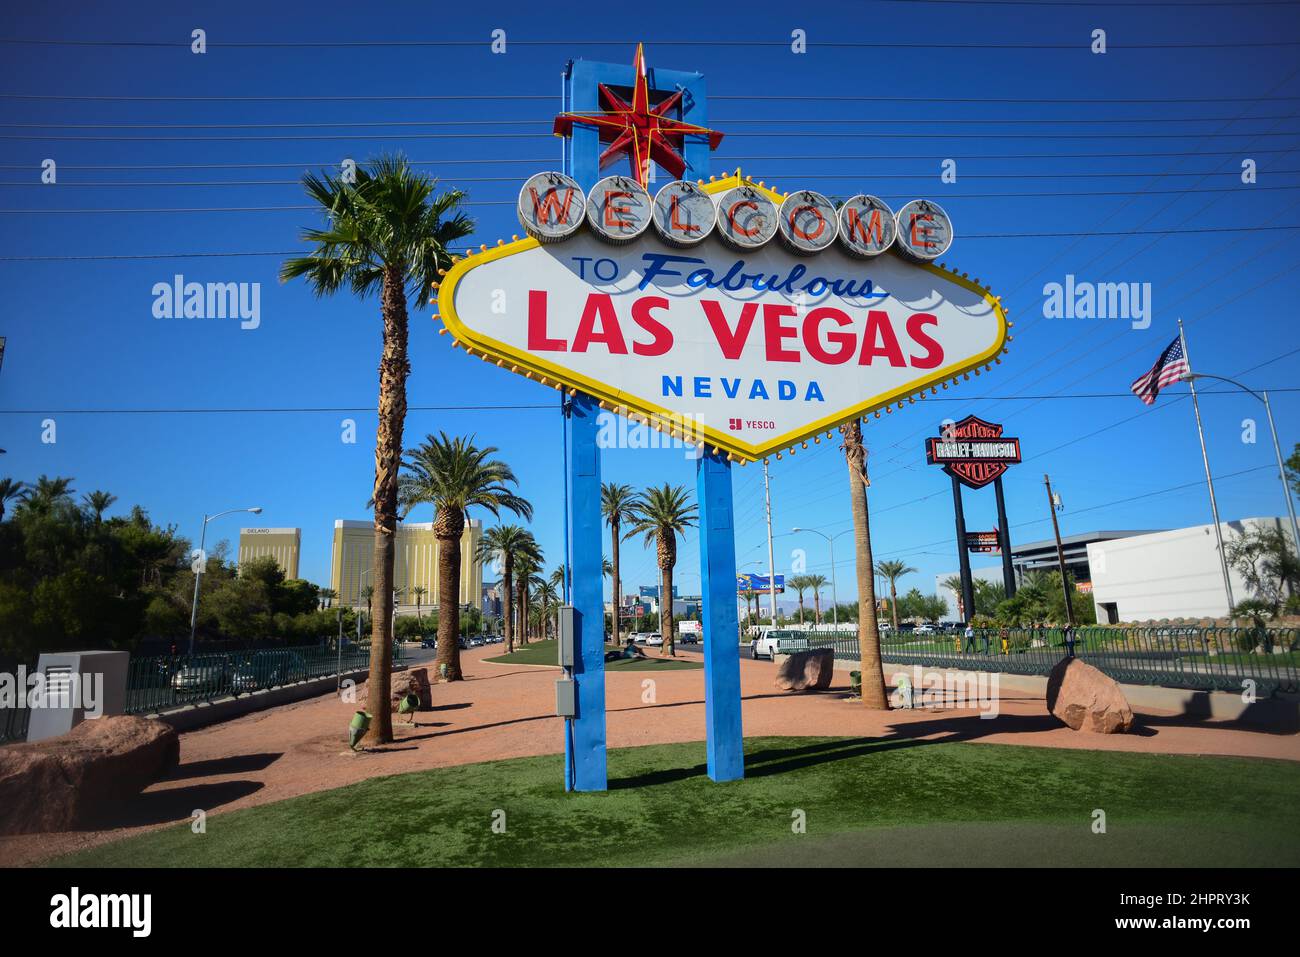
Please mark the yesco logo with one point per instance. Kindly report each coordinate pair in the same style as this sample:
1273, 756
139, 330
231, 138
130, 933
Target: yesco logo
76, 910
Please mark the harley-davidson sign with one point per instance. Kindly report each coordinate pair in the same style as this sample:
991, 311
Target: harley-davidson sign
740, 317
975, 452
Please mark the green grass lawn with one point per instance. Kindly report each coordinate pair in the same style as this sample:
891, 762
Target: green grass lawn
545, 653
865, 802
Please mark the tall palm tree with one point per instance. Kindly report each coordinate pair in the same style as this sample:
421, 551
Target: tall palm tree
97, 503
528, 561
453, 474
873, 678
893, 570
327, 595
618, 503
817, 583
46, 493
10, 490
556, 581
418, 592
800, 584
503, 543
663, 513
953, 584
386, 232
547, 598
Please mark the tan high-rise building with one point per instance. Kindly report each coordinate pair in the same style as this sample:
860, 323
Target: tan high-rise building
282, 544
415, 562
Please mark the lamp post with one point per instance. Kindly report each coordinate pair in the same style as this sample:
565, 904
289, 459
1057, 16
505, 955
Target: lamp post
203, 562
835, 602
1277, 449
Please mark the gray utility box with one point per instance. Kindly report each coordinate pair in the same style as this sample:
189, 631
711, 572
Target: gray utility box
100, 682
566, 702
567, 636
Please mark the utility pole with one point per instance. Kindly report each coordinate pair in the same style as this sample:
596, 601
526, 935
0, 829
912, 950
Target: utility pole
1052, 506
771, 565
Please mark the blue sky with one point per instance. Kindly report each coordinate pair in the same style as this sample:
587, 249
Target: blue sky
82, 336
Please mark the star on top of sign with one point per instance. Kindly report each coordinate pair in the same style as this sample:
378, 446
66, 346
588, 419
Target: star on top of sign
642, 131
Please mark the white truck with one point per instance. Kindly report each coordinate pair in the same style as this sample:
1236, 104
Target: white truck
763, 644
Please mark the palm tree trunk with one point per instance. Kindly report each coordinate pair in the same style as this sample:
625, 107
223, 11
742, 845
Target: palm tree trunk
873, 678
448, 527
507, 603
817, 608
666, 619
613, 534
801, 608
393, 370
893, 605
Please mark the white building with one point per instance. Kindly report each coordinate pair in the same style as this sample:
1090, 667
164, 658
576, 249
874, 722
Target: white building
1174, 574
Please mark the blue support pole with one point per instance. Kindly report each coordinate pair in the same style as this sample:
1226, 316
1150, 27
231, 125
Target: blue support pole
725, 740
584, 740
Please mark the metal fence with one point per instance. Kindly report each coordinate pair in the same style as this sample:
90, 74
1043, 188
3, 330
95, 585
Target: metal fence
163, 682
1174, 656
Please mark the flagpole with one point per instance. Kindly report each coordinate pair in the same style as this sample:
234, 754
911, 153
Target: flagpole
1209, 478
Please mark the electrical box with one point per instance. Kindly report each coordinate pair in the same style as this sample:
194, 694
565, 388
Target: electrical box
77, 682
568, 635
566, 698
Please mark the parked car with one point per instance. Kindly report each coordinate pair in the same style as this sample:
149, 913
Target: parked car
285, 669
428, 642
206, 675
925, 629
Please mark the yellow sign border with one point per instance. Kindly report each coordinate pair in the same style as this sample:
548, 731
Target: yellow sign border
672, 422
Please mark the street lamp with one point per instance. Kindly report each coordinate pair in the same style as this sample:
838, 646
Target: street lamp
203, 563
830, 540
1277, 449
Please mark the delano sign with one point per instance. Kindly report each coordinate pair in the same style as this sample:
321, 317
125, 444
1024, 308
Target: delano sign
726, 313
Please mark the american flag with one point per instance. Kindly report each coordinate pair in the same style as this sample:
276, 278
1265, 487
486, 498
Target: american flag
1169, 368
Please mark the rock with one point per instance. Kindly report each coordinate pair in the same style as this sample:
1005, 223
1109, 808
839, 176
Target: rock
1087, 700
806, 669
66, 782
413, 681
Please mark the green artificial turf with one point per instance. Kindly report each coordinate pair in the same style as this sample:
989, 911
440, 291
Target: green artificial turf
545, 653
883, 802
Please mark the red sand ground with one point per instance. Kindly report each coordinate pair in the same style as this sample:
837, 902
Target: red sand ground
503, 711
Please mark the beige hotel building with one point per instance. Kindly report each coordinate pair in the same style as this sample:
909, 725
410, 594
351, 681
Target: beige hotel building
415, 562
282, 544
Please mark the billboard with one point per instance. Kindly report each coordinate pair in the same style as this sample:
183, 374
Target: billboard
735, 317
983, 542
747, 584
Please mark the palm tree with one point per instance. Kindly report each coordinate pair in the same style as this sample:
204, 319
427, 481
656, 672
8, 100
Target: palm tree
618, 504
418, 592
893, 570
873, 678
327, 595
663, 513
387, 232
46, 493
817, 583
9, 491
97, 503
455, 475
800, 584
547, 598
503, 543
528, 561
953, 584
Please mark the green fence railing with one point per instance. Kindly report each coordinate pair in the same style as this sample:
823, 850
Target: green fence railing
1174, 656
163, 682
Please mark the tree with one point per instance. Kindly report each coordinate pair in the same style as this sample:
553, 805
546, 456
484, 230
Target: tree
1292, 466
1268, 565
547, 598
387, 232
418, 592
663, 513
800, 584
528, 561
817, 583
953, 584
502, 543
893, 570
618, 504
97, 503
47, 494
873, 678
455, 475
988, 595
9, 491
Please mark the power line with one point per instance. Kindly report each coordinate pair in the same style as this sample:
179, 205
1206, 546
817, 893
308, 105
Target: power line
548, 407
968, 236
216, 44
764, 97
734, 134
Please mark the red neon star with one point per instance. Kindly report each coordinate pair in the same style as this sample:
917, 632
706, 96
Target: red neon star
641, 131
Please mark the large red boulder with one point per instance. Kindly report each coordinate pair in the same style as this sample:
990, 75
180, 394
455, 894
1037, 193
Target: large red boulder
1087, 700
63, 783
806, 669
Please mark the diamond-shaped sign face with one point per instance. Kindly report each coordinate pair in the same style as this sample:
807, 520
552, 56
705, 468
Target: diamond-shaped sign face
745, 351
